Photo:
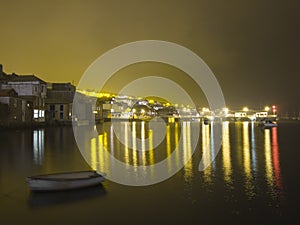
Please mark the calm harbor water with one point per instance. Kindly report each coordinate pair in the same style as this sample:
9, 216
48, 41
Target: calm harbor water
253, 179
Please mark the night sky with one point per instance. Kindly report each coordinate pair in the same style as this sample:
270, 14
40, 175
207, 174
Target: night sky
252, 47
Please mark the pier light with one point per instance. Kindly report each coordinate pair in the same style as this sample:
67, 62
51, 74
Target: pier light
245, 109
267, 108
205, 109
226, 110
274, 109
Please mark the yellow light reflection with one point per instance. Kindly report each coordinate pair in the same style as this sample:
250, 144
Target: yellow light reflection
212, 145
206, 157
151, 150
105, 140
226, 152
101, 154
176, 144
246, 150
93, 154
247, 160
134, 151
143, 140
187, 151
268, 157
127, 161
168, 146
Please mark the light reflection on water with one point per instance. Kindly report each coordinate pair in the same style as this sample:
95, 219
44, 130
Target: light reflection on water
245, 139
268, 157
226, 153
245, 150
257, 160
247, 161
38, 146
206, 153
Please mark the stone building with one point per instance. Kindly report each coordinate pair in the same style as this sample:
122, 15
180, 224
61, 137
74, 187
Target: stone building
28, 87
14, 111
59, 102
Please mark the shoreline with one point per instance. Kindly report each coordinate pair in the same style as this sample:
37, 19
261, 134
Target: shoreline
69, 123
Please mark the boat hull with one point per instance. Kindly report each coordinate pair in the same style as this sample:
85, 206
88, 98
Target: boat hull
270, 126
59, 182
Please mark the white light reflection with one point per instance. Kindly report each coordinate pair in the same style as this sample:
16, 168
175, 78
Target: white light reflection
38, 146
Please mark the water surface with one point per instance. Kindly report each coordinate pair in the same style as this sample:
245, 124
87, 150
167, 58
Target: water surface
253, 179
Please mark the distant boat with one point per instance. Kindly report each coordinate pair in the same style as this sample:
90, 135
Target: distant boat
206, 121
64, 181
269, 124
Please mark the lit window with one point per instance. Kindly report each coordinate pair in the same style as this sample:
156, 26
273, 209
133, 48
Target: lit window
36, 114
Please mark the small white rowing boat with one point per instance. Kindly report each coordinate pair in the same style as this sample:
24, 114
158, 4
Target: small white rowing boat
64, 181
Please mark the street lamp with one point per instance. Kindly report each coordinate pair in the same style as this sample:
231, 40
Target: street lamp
205, 109
226, 110
245, 109
267, 108
274, 109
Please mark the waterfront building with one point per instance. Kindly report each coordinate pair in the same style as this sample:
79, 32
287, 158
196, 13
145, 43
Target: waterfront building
29, 88
59, 102
84, 109
14, 110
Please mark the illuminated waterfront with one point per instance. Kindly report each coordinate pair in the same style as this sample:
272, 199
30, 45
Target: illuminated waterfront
252, 181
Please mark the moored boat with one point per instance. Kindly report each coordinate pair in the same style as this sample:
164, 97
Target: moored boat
206, 121
64, 181
269, 124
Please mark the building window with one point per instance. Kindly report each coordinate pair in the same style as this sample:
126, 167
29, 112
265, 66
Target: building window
61, 107
61, 115
35, 113
52, 108
35, 89
41, 113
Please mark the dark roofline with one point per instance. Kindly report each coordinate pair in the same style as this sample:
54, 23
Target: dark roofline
16, 78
